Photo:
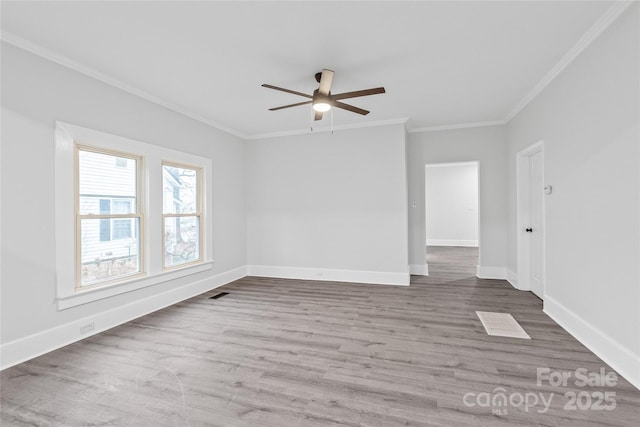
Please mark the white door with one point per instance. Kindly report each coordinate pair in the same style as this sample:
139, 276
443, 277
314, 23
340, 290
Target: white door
534, 230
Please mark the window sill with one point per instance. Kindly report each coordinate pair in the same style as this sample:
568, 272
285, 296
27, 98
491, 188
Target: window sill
89, 295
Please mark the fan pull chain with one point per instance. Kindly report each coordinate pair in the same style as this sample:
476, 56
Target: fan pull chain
331, 121
312, 116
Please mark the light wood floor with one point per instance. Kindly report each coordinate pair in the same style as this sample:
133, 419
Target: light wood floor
302, 353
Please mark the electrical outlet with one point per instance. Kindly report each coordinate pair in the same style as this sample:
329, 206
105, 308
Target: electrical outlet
87, 328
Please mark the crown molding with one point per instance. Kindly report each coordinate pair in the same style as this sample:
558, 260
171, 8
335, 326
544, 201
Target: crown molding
458, 126
327, 129
617, 9
36, 49
587, 38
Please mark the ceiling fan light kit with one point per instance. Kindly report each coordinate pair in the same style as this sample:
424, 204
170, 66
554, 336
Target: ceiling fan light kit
321, 106
323, 100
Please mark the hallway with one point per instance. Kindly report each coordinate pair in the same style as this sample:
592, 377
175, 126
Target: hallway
453, 261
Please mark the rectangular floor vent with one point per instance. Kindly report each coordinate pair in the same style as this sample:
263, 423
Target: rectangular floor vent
220, 295
502, 325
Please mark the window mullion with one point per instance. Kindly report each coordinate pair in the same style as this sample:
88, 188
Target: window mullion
109, 216
180, 215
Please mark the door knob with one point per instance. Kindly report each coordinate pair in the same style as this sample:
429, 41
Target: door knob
528, 230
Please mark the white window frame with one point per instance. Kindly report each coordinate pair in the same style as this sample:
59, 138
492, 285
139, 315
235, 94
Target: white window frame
66, 137
197, 214
139, 215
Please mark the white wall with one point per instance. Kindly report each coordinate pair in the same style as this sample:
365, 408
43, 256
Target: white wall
487, 146
588, 118
452, 204
35, 93
327, 205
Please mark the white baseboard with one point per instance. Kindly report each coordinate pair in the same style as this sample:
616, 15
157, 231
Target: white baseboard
619, 357
34, 345
450, 242
373, 277
419, 269
512, 278
491, 273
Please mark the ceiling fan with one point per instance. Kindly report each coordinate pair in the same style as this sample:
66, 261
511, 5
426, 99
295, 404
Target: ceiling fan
322, 99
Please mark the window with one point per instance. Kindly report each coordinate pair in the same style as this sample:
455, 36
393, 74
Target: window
114, 229
108, 217
105, 224
182, 226
125, 216
123, 228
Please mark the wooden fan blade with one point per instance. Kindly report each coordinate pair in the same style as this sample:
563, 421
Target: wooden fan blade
318, 115
325, 82
287, 90
358, 93
290, 105
349, 108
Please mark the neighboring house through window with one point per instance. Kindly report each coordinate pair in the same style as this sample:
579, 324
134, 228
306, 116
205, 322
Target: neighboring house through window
181, 214
138, 215
105, 224
108, 216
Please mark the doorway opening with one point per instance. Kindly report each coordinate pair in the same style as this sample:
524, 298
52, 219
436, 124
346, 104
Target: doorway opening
530, 219
452, 216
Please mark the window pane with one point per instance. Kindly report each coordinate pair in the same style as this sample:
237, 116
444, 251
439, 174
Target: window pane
180, 190
122, 228
105, 230
108, 260
123, 206
181, 240
105, 206
105, 224
101, 181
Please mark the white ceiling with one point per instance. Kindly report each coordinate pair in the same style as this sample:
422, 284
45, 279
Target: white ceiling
442, 63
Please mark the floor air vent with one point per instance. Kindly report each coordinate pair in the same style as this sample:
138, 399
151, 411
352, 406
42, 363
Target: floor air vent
502, 325
220, 295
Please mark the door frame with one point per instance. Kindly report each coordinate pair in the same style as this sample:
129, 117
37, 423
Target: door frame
522, 220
